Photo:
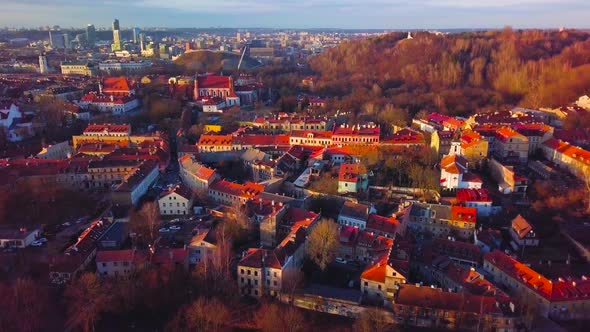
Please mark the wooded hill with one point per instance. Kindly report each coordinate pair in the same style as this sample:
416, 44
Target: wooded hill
457, 74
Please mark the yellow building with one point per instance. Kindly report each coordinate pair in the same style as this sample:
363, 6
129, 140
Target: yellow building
210, 128
473, 147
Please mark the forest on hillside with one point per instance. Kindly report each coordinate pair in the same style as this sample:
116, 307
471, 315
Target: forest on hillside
456, 74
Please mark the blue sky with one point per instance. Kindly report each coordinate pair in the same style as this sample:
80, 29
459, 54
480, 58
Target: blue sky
358, 14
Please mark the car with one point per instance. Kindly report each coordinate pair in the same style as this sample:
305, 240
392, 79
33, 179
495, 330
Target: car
174, 228
175, 220
42, 240
36, 243
340, 260
163, 230
67, 224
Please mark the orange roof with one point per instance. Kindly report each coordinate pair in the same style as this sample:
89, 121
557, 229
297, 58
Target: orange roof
569, 150
111, 128
215, 140
314, 134
454, 164
467, 214
377, 272
382, 224
521, 226
349, 172
116, 84
506, 133
248, 189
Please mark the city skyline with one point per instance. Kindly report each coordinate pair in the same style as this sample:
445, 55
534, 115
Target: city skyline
373, 14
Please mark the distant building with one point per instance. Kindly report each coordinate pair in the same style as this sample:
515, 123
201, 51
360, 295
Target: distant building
116, 46
91, 35
78, 68
123, 66
210, 86
43, 67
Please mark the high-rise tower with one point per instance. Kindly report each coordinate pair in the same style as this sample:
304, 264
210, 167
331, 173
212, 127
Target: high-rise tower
116, 46
136, 32
43, 67
91, 35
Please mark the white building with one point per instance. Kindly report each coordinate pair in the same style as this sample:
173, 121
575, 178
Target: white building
18, 238
113, 104
176, 201
202, 247
120, 263
127, 66
195, 175
353, 214
454, 173
61, 150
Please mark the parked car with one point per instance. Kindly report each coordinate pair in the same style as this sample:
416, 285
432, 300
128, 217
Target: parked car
174, 228
164, 230
67, 224
42, 240
36, 243
340, 260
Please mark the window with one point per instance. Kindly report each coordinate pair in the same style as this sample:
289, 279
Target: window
256, 273
249, 272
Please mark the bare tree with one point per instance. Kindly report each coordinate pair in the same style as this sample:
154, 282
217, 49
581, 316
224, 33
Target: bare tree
322, 243
206, 315
87, 300
275, 317
371, 320
145, 223
293, 280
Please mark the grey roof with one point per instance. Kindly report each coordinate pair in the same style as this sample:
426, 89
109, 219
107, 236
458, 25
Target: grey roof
355, 210
423, 210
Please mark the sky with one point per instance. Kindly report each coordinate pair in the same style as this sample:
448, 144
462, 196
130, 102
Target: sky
346, 14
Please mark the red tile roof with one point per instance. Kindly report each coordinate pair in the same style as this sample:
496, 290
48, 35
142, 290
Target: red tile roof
382, 224
349, 172
129, 255
473, 195
436, 298
260, 258
116, 85
246, 190
466, 214
520, 226
111, 128
454, 164
213, 82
